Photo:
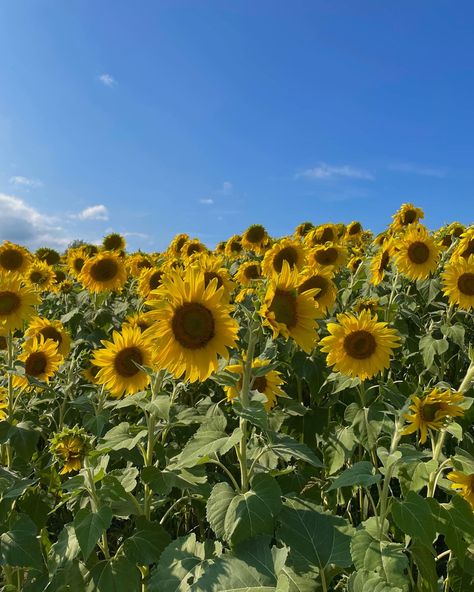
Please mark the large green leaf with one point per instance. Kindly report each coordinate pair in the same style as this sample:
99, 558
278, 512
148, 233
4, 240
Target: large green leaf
424, 558
163, 481
339, 446
147, 543
222, 495
89, 527
366, 581
286, 446
122, 436
20, 546
64, 550
315, 539
182, 563
361, 473
414, 517
117, 575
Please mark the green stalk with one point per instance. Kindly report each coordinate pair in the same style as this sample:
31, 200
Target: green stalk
383, 502
95, 506
11, 393
150, 444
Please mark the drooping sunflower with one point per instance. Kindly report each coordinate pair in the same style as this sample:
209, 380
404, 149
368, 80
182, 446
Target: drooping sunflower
285, 250
464, 484
233, 247
118, 361
54, 330
104, 271
289, 313
417, 254
220, 248
380, 262
17, 302
70, 446
354, 231
432, 412
321, 279
114, 242
458, 282
177, 244
41, 359
370, 304
322, 234
3, 403
354, 263
150, 279
193, 325
407, 214
14, 258
359, 346
329, 254
269, 383
90, 373
248, 272
255, 238
302, 230
40, 276
49, 256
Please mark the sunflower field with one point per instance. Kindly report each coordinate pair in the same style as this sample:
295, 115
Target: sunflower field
275, 415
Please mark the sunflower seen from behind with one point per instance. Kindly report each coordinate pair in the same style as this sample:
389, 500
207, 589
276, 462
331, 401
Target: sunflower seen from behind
103, 272
70, 446
41, 361
17, 302
193, 326
114, 242
119, 362
359, 346
289, 313
417, 254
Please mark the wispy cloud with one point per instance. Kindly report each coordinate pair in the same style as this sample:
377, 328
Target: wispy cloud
20, 181
108, 80
416, 169
323, 171
206, 201
98, 212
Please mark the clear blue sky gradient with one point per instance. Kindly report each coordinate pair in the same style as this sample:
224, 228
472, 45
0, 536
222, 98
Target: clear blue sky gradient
226, 113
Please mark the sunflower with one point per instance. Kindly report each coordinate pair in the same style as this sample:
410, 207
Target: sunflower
464, 483
65, 287
354, 231
432, 411
302, 230
417, 254
406, 215
104, 271
142, 320
268, 383
49, 256
114, 242
150, 279
17, 302
213, 269
321, 234
285, 250
322, 279
354, 263
14, 258
3, 403
465, 246
289, 313
76, 259
137, 263
233, 247
248, 272
220, 248
192, 248
40, 276
90, 373
359, 346
41, 360
193, 326
50, 330
370, 304
380, 262
329, 254
70, 446
177, 244
255, 239
118, 361
458, 282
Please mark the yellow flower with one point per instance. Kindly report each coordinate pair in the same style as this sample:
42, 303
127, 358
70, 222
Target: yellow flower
255, 239
142, 320
114, 242
193, 325
105, 271
70, 446
76, 259
406, 215
269, 383
14, 258
248, 272
302, 230
465, 247
458, 282
3, 403
321, 279
50, 330
325, 233
17, 302
41, 359
150, 279
289, 313
49, 256
329, 254
354, 231
118, 361
233, 247
285, 250
432, 411
192, 248
137, 263
380, 262
177, 244
359, 346
40, 276
417, 253
464, 483
212, 268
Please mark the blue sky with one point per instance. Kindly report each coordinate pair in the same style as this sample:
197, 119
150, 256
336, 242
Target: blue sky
157, 117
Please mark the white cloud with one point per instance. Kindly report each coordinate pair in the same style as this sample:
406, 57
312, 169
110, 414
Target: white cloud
18, 181
23, 224
226, 187
416, 169
98, 212
108, 80
206, 201
327, 171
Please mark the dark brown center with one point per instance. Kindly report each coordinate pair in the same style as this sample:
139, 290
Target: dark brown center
409, 217
51, 333
126, 360
466, 284
255, 234
252, 272
360, 345
193, 325
104, 270
316, 281
155, 280
283, 307
259, 384
11, 259
210, 275
469, 250
36, 364
326, 256
355, 228
289, 254
418, 252
9, 302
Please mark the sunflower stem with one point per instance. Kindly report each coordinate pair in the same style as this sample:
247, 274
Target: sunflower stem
150, 445
436, 452
95, 504
468, 379
11, 392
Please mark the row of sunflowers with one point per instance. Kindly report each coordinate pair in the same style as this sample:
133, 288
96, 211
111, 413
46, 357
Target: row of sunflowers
287, 415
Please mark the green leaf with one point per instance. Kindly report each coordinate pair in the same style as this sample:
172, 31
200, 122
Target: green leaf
23, 438
366, 581
20, 546
222, 495
122, 436
116, 575
286, 446
182, 563
430, 346
163, 481
456, 522
367, 423
425, 562
359, 474
147, 543
339, 446
64, 550
414, 517
89, 527
113, 495
315, 539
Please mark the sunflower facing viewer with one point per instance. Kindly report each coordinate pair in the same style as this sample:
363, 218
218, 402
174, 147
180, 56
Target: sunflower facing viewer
268, 384
104, 271
17, 302
458, 282
417, 255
